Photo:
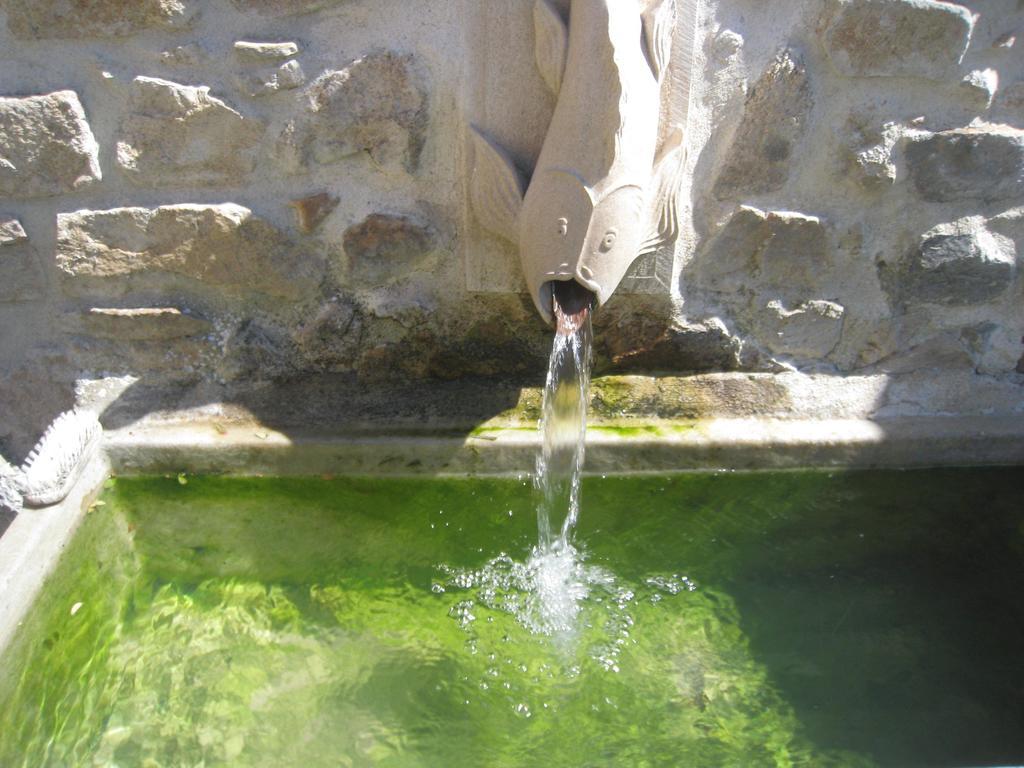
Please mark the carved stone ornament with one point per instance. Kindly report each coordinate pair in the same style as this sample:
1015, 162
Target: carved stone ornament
55, 464
603, 192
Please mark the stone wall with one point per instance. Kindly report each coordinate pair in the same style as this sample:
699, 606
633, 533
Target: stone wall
858, 204
230, 191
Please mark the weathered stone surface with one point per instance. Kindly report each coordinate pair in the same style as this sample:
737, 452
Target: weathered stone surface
284, 7
870, 160
310, 211
264, 52
329, 341
46, 146
286, 77
958, 264
188, 55
980, 86
1013, 97
996, 349
1009, 224
373, 105
942, 351
488, 347
21, 274
33, 392
11, 499
181, 135
142, 324
260, 350
728, 72
12, 233
981, 162
683, 348
796, 253
40, 19
383, 247
897, 38
774, 119
727, 261
222, 246
783, 252
1005, 41
811, 330
410, 302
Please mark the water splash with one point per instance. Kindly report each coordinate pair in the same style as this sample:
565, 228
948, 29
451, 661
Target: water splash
543, 594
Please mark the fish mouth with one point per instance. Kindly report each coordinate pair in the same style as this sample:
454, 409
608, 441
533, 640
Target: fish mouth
571, 304
571, 296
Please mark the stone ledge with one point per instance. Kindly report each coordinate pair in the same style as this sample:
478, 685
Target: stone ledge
635, 446
32, 546
339, 405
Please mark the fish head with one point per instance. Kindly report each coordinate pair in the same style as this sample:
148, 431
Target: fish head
569, 233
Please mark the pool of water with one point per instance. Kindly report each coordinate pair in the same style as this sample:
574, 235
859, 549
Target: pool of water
787, 619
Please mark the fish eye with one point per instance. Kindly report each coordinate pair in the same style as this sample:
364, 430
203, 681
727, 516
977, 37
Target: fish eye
563, 226
609, 240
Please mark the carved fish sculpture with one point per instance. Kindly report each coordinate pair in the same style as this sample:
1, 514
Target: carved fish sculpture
602, 193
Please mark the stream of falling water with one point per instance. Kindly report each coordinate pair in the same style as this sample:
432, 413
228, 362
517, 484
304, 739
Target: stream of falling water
560, 582
563, 431
548, 592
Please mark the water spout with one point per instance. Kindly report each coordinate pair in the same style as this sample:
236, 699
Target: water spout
572, 304
604, 191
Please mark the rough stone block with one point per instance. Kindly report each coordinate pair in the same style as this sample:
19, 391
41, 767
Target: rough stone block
12, 233
21, 274
181, 135
981, 162
774, 118
142, 324
795, 253
385, 247
783, 252
259, 350
329, 340
223, 246
684, 347
1010, 224
727, 262
264, 52
312, 210
286, 77
980, 86
897, 38
958, 264
40, 19
811, 330
46, 146
373, 105
284, 7
871, 162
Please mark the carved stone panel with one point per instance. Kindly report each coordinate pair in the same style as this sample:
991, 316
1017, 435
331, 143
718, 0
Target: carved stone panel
508, 109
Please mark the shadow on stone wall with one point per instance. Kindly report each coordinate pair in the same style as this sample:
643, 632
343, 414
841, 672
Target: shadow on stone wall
332, 404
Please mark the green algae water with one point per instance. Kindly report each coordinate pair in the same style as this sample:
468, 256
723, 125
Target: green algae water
791, 619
